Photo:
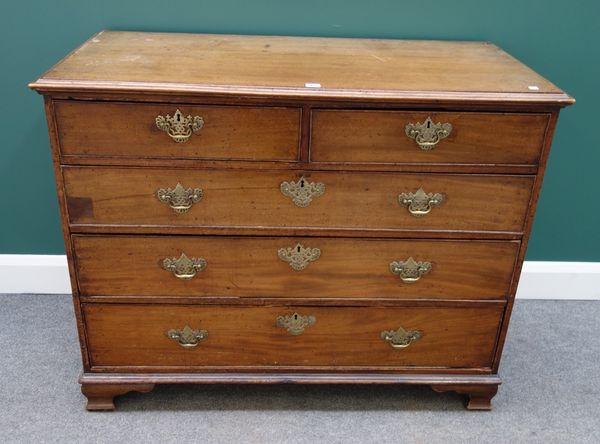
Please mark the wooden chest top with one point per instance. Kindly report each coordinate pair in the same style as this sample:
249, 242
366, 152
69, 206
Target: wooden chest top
333, 68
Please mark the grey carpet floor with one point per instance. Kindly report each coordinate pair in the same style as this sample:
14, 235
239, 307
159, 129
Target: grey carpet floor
551, 392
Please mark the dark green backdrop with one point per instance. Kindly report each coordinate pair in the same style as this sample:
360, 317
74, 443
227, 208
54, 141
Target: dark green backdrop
558, 39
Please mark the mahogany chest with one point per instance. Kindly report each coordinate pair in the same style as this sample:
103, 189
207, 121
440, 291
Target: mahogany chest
253, 209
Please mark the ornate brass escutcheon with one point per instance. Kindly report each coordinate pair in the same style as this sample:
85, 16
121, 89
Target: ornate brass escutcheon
410, 270
187, 337
298, 257
179, 127
420, 203
184, 268
180, 199
295, 323
428, 134
400, 338
302, 192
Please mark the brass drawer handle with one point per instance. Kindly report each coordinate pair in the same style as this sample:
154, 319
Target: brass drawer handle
184, 268
410, 271
178, 127
180, 199
302, 192
400, 338
295, 323
298, 257
187, 337
420, 203
428, 134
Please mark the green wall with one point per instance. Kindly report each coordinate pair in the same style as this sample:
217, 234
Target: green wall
559, 39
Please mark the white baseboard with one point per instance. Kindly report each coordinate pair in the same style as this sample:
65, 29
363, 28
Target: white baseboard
560, 280
48, 274
34, 273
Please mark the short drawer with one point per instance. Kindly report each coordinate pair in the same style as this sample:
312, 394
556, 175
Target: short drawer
330, 200
130, 130
293, 267
467, 138
120, 335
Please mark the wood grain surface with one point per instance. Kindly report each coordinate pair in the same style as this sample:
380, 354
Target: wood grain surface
250, 267
135, 335
246, 198
289, 66
379, 137
129, 131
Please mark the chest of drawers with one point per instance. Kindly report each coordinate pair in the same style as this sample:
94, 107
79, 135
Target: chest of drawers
249, 209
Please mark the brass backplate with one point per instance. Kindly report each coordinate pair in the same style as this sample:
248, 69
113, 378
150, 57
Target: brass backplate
180, 199
187, 337
183, 267
178, 127
400, 338
428, 134
410, 271
295, 323
302, 192
298, 257
420, 203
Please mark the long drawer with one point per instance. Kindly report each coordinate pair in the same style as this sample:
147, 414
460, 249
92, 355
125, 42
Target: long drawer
105, 129
407, 137
156, 336
249, 198
293, 267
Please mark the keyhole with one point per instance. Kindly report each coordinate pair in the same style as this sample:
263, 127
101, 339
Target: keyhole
302, 183
428, 124
295, 316
179, 117
298, 248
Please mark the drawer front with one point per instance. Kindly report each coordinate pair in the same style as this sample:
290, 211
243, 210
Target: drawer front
293, 267
131, 130
381, 137
137, 335
245, 198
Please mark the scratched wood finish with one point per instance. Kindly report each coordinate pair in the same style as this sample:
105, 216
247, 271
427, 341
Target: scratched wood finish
380, 137
129, 131
282, 66
277, 108
237, 198
250, 267
135, 335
